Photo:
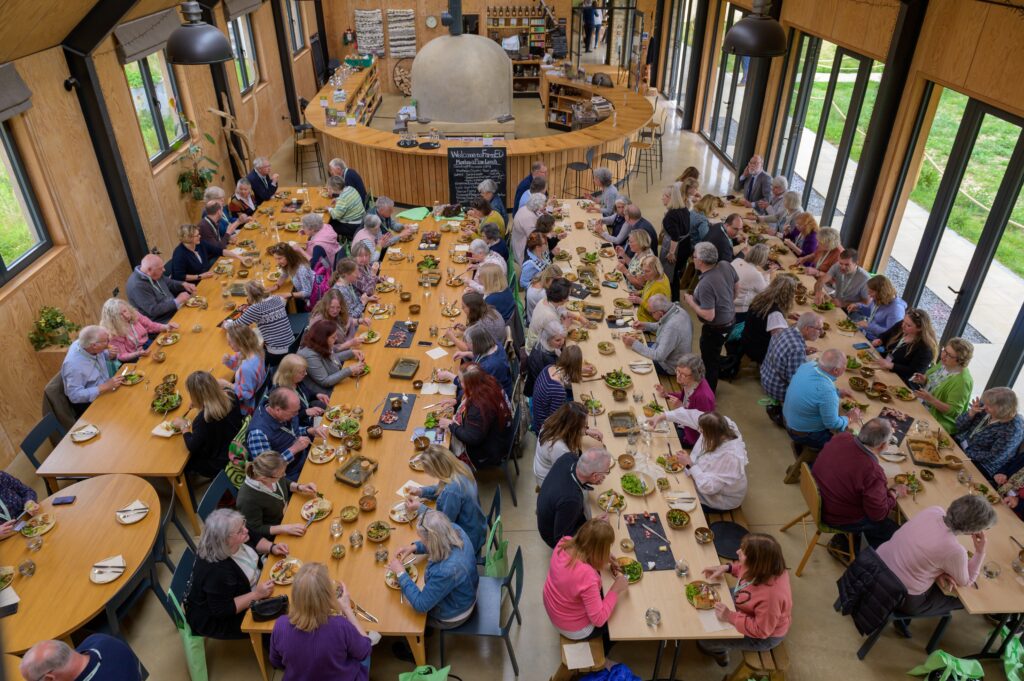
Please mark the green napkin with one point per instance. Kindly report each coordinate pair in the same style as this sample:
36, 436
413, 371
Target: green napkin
415, 214
955, 669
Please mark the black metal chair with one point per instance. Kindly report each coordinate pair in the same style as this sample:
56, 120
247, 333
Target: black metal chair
214, 493
578, 167
42, 431
621, 178
305, 142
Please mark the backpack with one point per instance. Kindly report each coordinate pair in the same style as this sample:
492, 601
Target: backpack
321, 282
238, 455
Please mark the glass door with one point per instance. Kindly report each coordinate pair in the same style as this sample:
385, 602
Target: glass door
676, 65
721, 121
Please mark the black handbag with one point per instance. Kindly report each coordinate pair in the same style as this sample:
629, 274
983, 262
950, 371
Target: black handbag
269, 608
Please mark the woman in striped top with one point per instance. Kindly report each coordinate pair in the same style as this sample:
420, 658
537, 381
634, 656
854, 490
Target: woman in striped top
295, 267
269, 315
553, 386
248, 365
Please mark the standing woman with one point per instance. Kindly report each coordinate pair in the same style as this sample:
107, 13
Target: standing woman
825, 255
674, 236
291, 373
217, 423
129, 329
264, 496
553, 387
192, 259
752, 278
561, 433
946, 387
655, 282
764, 601
242, 202
909, 346
883, 309
295, 268
483, 420
270, 315
248, 365
497, 293
324, 366
695, 394
348, 209
802, 237
537, 258
718, 461
332, 308
456, 493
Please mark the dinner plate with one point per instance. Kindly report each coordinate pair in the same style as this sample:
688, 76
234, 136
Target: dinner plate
132, 513
39, 525
641, 368
318, 509
105, 575
85, 432
284, 571
400, 514
6, 576
319, 454
165, 429
392, 581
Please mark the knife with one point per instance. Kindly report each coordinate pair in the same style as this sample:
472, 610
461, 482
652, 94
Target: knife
364, 614
655, 533
109, 566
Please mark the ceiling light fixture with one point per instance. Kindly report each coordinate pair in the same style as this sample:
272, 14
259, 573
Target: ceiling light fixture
196, 42
756, 35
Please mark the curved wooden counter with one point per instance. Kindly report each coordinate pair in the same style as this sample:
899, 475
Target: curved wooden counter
420, 176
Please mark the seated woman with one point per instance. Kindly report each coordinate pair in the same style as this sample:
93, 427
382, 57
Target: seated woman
550, 341
491, 234
192, 259
368, 268
538, 289
225, 579
270, 315
802, 236
929, 560
332, 308
753, 278
561, 433
291, 373
294, 268
946, 387
908, 346
696, 393
243, 201
211, 431
633, 268
780, 221
883, 309
129, 329
764, 601
991, 430
497, 293
765, 317
248, 365
376, 238
264, 496
479, 313
573, 595
537, 258
482, 420
718, 461
322, 246
480, 209
825, 254
450, 580
321, 637
15, 498
546, 228
456, 493
490, 357
344, 280
655, 282
324, 366
489, 190
552, 308
553, 386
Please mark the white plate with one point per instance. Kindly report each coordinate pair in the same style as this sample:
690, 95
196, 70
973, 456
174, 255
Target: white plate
893, 457
132, 513
84, 433
162, 430
107, 575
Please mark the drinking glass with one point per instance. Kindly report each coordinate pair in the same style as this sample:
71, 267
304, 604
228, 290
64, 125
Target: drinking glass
27, 567
34, 544
337, 529
682, 568
991, 569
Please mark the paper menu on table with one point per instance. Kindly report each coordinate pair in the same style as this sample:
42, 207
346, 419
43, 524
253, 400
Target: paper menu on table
710, 621
459, 248
437, 353
438, 389
578, 655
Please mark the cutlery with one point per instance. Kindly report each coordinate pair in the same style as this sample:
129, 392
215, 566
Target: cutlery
655, 533
668, 445
435, 404
377, 408
108, 566
103, 571
362, 612
1019, 545
410, 561
133, 511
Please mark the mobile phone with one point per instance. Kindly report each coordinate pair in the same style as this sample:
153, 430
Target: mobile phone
861, 346
63, 501
609, 284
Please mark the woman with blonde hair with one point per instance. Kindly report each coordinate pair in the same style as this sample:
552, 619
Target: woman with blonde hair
295, 268
883, 309
691, 173
192, 258
825, 254
573, 595
802, 236
321, 637
538, 289
456, 493
248, 365
655, 282
270, 316
219, 419
632, 269
291, 373
129, 329
497, 293
909, 346
264, 496
332, 308
675, 236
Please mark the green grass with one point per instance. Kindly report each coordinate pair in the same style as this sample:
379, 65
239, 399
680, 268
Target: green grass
16, 236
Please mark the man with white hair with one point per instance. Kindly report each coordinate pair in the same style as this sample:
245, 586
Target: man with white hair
674, 334
338, 168
98, 658
85, 371
773, 204
480, 254
489, 191
562, 504
635, 220
811, 407
264, 185
538, 169
787, 351
755, 183
712, 301
384, 208
153, 293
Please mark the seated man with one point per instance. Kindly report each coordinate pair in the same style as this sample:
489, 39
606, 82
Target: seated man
846, 281
674, 339
562, 504
264, 185
339, 168
855, 496
787, 350
85, 371
755, 183
153, 294
384, 208
98, 658
275, 427
811, 408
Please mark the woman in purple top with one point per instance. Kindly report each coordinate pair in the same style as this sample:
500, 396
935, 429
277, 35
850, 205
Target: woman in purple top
695, 394
802, 237
321, 637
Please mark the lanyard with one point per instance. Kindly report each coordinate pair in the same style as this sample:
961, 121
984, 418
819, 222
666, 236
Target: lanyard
5, 514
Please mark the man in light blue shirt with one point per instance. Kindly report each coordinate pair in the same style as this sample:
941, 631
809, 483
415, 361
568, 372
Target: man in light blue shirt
811, 409
85, 372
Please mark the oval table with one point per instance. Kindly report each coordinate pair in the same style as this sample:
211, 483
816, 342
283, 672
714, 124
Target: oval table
59, 598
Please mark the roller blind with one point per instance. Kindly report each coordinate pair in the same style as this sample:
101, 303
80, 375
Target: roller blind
236, 8
15, 97
142, 37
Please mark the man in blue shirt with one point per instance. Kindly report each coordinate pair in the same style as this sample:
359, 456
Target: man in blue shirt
85, 371
538, 169
811, 409
98, 658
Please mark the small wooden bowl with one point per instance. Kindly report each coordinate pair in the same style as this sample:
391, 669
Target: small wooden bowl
159, 357
396, 404
867, 372
374, 432
619, 395
421, 443
417, 384
414, 309
626, 462
405, 296
703, 535
367, 503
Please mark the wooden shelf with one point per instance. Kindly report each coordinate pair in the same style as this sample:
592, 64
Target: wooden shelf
525, 77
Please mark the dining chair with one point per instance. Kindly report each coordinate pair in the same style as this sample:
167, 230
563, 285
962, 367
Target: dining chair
214, 493
42, 431
492, 515
577, 168
812, 497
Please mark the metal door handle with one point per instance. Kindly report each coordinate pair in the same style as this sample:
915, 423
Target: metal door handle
953, 290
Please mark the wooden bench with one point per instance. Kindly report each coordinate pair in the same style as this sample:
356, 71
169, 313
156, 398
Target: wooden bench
768, 664
733, 516
596, 651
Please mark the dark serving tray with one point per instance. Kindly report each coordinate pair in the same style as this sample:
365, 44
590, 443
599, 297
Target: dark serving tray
404, 414
619, 420
352, 473
404, 367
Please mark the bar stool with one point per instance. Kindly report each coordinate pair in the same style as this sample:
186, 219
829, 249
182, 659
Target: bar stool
306, 144
618, 159
578, 167
655, 130
643, 160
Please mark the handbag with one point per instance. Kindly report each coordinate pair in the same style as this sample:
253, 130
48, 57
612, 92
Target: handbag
496, 552
426, 673
269, 608
195, 646
238, 455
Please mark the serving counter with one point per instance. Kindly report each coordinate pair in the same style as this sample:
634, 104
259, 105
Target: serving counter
419, 177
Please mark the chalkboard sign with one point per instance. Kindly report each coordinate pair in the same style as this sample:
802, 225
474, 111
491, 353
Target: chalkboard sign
469, 166
559, 47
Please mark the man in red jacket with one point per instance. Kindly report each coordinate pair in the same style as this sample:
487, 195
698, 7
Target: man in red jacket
855, 496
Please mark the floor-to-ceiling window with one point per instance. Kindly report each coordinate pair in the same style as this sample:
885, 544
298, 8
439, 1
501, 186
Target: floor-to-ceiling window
825, 113
680, 50
726, 86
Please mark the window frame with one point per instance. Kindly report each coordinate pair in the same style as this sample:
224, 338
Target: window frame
234, 27
167, 146
296, 30
34, 218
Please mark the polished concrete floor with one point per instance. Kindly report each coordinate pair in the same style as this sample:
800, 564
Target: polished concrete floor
822, 644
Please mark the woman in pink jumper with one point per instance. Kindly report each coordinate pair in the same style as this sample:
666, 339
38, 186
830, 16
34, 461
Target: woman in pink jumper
572, 591
764, 602
129, 329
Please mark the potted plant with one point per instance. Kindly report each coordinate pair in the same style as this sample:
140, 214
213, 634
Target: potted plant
198, 169
51, 328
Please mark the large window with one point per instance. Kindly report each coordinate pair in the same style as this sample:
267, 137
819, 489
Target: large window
680, 52
155, 96
244, 47
22, 235
298, 37
727, 82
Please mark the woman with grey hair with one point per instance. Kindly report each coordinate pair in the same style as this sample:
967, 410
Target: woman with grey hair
826, 254
695, 393
491, 233
225, 579
990, 431
550, 341
489, 191
227, 223
605, 191
322, 245
243, 201
929, 560
753, 278
780, 220
373, 236
523, 224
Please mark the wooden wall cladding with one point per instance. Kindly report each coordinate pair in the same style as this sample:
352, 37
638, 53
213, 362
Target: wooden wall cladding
865, 28
302, 63
30, 26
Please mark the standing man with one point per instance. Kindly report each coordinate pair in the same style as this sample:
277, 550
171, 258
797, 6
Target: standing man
264, 185
589, 23
755, 183
85, 371
538, 169
712, 301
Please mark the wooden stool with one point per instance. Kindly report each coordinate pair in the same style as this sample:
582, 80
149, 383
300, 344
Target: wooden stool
767, 664
596, 651
809, 490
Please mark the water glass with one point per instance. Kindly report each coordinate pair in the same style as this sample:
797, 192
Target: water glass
34, 544
337, 529
27, 567
991, 569
682, 568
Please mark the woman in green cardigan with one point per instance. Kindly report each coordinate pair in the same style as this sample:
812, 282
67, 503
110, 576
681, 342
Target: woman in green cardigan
946, 387
264, 495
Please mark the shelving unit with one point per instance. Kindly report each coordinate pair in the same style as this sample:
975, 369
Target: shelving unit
558, 101
532, 24
526, 75
363, 95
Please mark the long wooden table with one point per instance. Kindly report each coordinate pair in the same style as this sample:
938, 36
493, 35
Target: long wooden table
59, 598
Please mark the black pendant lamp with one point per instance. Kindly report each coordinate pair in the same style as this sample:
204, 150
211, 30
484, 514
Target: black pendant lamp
196, 42
756, 35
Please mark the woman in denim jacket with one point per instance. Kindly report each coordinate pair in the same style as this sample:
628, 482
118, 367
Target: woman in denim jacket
456, 493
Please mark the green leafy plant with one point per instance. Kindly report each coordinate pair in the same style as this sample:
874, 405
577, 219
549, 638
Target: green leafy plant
198, 169
51, 328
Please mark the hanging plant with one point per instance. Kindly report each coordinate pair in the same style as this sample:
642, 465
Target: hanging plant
51, 328
198, 169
